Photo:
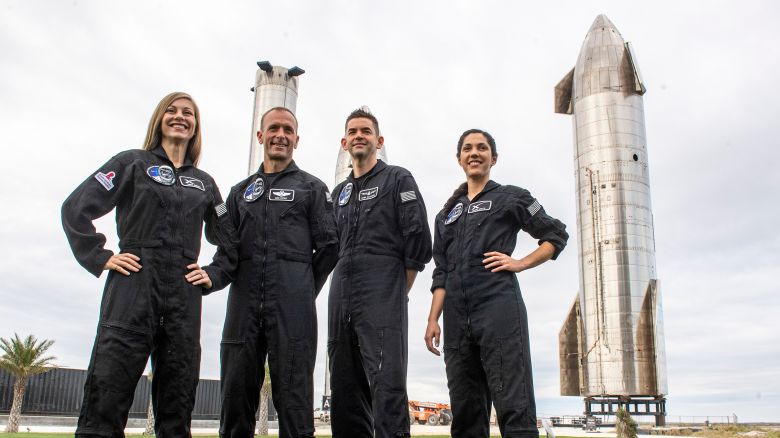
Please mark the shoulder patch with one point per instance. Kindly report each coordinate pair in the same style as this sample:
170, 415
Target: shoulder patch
221, 209
106, 179
534, 208
408, 196
367, 194
479, 206
287, 195
161, 174
454, 214
195, 183
254, 190
346, 192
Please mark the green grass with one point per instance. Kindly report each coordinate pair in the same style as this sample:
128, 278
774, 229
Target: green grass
61, 435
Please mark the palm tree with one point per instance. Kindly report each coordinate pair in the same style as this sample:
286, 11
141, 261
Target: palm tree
150, 411
625, 426
265, 392
23, 358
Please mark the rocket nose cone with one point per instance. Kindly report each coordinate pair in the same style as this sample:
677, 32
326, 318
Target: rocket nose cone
602, 22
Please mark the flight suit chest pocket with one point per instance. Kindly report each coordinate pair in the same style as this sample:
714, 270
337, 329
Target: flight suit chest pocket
447, 234
293, 234
341, 214
195, 197
193, 207
485, 229
483, 213
373, 209
147, 192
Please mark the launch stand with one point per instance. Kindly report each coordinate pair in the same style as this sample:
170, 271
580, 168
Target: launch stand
637, 405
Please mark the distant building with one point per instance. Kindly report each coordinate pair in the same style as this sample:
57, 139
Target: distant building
60, 391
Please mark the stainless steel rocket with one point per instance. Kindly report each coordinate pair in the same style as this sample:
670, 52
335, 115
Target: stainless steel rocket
274, 87
344, 161
612, 342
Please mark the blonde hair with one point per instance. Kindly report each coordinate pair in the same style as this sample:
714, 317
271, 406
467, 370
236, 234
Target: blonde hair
154, 131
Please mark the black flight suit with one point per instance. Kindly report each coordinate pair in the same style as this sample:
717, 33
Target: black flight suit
486, 343
383, 231
159, 214
287, 248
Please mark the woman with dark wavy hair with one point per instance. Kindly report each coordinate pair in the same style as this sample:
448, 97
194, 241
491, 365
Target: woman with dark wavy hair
152, 299
486, 349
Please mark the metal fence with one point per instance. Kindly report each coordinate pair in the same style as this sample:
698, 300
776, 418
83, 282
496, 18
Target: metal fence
59, 393
683, 420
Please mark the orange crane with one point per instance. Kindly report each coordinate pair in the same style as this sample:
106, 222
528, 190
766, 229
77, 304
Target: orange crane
430, 413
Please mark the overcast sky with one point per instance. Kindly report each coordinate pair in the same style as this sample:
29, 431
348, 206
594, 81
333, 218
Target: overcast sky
79, 81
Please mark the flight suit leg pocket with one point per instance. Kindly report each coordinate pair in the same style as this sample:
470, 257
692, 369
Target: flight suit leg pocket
510, 391
390, 359
234, 372
493, 364
454, 368
120, 357
298, 374
331, 350
391, 415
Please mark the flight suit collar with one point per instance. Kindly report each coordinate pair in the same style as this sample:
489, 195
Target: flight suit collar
488, 187
378, 167
160, 152
292, 167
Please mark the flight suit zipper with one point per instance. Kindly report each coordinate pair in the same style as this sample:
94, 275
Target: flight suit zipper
265, 251
352, 223
269, 184
459, 232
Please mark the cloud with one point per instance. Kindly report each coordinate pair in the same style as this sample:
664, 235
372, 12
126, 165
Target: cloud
80, 79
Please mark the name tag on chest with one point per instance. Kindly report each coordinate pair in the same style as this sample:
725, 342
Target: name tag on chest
367, 194
285, 195
480, 206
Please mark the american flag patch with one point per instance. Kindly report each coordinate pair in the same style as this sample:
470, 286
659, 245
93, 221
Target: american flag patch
221, 209
408, 196
534, 208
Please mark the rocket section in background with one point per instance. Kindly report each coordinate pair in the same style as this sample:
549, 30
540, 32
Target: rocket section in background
612, 342
274, 87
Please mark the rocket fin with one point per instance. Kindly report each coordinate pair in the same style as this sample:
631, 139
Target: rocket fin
563, 93
639, 84
649, 362
570, 342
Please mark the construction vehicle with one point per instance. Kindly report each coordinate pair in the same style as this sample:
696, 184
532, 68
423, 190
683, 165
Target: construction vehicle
429, 413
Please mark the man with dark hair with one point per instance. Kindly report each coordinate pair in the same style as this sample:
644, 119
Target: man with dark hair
288, 246
384, 241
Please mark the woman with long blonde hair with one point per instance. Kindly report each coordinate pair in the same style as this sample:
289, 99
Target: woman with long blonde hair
152, 298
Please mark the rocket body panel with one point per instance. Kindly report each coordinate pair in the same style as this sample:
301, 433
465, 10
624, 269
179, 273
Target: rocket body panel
274, 88
621, 335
